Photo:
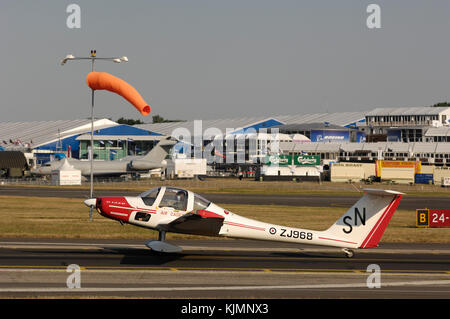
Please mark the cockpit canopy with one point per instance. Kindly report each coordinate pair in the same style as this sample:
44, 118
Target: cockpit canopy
176, 198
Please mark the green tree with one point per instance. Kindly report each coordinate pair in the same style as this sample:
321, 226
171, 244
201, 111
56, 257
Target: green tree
159, 119
441, 104
129, 121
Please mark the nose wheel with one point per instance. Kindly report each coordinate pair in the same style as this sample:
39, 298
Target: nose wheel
348, 252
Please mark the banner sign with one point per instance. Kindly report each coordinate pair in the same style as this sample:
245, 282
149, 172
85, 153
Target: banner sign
330, 136
433, 218
416, 165
307, 160
298, 160
398, 164
279, 160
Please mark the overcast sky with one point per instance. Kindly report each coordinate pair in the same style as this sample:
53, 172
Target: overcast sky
223, 59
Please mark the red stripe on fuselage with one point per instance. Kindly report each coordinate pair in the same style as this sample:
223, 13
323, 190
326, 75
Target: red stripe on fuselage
151, 211
208, 214
342, 241
245, 226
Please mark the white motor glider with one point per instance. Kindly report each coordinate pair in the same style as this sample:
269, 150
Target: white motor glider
169, 209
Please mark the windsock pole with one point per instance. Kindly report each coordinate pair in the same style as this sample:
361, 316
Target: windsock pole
93, 55
144, 109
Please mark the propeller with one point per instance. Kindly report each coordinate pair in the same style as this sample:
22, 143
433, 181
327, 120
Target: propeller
91, 202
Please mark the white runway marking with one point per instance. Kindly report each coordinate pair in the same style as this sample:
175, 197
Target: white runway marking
70, 245
162, 289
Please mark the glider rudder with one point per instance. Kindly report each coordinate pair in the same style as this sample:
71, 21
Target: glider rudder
363, 225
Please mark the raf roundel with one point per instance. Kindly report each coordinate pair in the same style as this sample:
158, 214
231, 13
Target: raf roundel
272, 231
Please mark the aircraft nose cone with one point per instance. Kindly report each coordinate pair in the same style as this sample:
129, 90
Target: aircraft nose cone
90, 202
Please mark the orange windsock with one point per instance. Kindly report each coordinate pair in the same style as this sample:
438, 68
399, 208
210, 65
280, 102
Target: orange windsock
106, 81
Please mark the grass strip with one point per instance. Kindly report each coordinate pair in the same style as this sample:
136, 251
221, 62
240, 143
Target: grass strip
50, 217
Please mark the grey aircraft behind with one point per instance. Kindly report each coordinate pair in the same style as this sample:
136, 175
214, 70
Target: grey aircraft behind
127, 165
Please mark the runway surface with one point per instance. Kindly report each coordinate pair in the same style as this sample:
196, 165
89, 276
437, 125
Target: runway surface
221, 269
407, 203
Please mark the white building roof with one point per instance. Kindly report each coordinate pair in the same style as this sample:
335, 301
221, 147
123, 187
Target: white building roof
442, 148
426, 110
438, 131
340, 119
216, 127
224, 126
392, 147
424, 147
309, 147
43, 132
87, 137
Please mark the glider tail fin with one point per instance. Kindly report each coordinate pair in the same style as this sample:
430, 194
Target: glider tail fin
160, 150
154, 158
363, 225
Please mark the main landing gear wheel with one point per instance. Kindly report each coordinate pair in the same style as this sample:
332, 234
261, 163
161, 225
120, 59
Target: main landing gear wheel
348, 252
161, 246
